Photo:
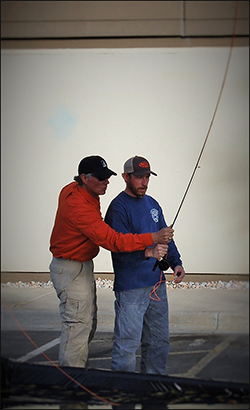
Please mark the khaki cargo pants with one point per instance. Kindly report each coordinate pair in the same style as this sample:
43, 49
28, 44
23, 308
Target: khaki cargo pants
74, 283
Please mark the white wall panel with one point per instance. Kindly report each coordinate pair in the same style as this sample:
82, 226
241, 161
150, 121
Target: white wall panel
61, 105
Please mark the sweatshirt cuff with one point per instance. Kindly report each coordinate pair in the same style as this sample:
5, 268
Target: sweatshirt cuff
146, 239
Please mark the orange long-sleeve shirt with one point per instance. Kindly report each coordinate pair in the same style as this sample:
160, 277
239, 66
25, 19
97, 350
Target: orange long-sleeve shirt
79, 229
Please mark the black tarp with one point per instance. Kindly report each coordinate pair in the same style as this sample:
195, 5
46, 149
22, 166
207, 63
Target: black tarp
30, 383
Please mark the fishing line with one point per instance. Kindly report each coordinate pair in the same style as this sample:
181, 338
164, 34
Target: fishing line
53, 363
211, 124
163, 263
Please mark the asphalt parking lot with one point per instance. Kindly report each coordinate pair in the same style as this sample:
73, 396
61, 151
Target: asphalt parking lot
210, 344
207, 356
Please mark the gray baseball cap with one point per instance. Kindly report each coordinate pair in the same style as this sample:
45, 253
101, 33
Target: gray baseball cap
138, 166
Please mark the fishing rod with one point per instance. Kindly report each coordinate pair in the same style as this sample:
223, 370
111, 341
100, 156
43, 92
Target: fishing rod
163, 263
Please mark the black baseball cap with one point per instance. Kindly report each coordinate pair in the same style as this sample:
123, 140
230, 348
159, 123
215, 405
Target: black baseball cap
95, 165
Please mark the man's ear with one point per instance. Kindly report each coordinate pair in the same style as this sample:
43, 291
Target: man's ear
83, 178
125, 176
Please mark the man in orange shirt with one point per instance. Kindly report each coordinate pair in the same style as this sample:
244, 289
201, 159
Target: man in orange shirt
78, 232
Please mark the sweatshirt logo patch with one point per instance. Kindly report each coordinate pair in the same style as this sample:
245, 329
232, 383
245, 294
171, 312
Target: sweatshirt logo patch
154, 214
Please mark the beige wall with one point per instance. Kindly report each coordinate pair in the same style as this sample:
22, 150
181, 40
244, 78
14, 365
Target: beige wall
61, 105
117, 79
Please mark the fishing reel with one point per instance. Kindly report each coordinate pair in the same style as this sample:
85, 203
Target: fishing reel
163, 264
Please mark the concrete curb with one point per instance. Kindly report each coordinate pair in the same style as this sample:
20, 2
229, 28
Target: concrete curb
208, 322
190, 310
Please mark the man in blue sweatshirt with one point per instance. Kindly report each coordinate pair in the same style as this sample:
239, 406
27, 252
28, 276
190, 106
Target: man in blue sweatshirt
141, 305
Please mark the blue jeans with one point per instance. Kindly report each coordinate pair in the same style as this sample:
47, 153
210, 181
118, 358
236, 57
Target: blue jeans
141, 320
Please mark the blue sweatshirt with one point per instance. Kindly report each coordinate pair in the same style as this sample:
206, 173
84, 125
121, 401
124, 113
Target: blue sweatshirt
137, 215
